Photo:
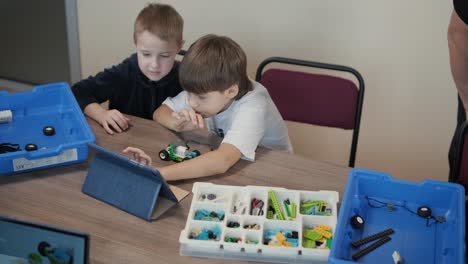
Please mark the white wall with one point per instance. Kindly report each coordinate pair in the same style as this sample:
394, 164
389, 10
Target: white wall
400, 47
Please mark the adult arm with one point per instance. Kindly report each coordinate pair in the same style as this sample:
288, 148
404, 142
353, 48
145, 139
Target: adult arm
458, 52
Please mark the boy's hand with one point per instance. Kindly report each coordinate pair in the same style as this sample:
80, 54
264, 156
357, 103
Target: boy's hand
113, 120
138, 155
187, 120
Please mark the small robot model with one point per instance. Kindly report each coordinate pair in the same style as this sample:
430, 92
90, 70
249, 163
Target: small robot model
178, 151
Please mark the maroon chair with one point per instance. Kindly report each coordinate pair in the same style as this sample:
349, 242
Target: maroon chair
318, 99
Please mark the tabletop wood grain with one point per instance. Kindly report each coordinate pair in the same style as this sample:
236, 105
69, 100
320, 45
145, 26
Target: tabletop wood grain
53, 196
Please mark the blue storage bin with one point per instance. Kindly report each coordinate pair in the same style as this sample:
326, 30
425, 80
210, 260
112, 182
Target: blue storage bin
46, 105
385, 203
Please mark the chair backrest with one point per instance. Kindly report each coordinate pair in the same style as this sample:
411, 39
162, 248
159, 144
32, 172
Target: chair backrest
318, 99
459, 166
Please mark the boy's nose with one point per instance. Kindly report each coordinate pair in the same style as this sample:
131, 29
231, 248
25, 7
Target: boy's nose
154, 63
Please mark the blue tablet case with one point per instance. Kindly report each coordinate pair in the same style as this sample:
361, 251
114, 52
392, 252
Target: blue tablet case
128, 185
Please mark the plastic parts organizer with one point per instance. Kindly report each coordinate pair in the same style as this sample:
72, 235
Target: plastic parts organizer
435, 235
49, 119
234, 222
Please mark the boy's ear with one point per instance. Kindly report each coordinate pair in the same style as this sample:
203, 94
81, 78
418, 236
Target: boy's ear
232, 91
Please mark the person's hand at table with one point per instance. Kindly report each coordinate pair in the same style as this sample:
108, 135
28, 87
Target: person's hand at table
187, 120
138, 155
113, 120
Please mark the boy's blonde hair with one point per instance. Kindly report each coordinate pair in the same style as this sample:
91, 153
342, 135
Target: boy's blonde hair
161, 20
214, 63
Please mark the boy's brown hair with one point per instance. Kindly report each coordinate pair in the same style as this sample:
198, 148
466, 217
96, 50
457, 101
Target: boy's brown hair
214, 63
161, 20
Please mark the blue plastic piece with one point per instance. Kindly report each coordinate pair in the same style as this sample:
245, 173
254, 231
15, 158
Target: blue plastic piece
46, 105
384, 202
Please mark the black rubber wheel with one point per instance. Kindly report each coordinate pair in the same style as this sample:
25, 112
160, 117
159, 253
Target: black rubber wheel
48, 131
424, 212
164, 155
42, 248
357, 222
197, 153
30, 147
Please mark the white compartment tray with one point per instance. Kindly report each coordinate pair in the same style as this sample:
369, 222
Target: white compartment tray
230, 212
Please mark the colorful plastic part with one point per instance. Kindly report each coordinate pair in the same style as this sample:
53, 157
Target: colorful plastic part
274, 202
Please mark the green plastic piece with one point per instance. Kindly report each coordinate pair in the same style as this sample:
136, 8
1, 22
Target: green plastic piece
288, 213
309, 204
312, 235
309, 243
270, 214
34, 258
293, 210
329, 242
274, 202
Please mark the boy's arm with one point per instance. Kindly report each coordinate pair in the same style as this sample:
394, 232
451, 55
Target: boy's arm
211, 163
163, 115
110, 120
185, 120
458, 51
102, 86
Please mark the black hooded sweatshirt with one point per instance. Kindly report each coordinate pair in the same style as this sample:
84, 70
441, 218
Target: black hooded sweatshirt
128, 89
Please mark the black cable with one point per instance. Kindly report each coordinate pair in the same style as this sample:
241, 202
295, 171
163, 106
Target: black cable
381, 204
9, 147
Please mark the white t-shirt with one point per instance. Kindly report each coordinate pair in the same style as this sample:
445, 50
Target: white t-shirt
248, 122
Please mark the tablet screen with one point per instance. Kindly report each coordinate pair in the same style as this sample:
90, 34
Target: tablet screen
30, 243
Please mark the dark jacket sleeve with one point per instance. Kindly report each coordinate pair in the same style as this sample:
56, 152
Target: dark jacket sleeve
100, 88
461, 7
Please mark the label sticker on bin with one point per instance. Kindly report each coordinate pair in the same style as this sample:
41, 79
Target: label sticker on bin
25, 164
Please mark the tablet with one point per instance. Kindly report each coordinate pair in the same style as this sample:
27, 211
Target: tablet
126, 184
24, 242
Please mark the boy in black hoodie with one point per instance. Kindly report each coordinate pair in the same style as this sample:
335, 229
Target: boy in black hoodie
139, 84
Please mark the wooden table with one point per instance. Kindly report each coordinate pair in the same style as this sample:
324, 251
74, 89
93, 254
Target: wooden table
54, 197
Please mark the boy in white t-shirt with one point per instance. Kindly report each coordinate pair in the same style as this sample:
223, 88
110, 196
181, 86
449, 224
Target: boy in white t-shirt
221, 98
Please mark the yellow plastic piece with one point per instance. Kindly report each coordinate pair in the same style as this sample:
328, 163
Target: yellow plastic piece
276, 244
280, 237
323, 232
324, 227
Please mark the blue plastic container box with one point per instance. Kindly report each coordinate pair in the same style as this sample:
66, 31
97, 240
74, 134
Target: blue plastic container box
46, 105
384, 203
